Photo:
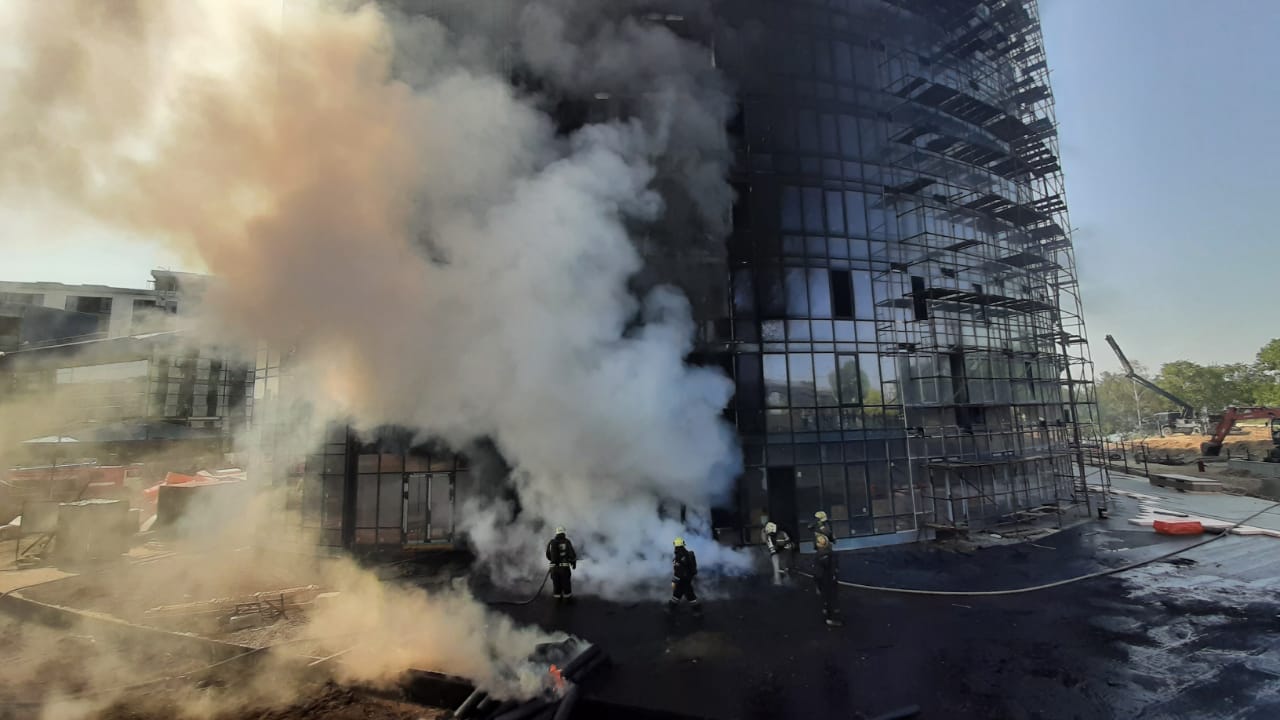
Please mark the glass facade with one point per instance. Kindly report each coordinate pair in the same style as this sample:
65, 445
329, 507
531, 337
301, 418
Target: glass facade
381, 494
900, 310
907, 338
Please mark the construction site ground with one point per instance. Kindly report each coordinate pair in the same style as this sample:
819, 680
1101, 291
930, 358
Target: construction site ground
1180, 454
1192, 636
73, 673
1252, 441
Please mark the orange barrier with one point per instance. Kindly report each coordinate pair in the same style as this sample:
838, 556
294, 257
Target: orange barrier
1178, 527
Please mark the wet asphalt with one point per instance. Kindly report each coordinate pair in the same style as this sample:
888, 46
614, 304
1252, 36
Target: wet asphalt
1195, 637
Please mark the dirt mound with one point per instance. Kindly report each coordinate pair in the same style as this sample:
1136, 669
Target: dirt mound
1254, 441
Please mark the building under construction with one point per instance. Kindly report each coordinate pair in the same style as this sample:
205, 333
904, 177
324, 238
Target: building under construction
897, 302
908, 340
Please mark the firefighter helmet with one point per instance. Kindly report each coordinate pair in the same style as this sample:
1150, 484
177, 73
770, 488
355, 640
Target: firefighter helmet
821, 516
679, 542
770, 528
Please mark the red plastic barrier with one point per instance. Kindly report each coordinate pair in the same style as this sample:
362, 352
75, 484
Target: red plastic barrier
1179, 527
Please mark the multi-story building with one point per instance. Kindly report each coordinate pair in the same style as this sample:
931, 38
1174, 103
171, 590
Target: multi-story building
92, 312
908, 341
897, 302
117, 394
123, 399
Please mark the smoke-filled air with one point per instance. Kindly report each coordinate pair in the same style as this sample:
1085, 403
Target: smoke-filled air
376, 192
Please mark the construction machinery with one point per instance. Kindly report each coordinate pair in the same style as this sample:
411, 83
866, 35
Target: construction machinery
1232, 415
1183, 422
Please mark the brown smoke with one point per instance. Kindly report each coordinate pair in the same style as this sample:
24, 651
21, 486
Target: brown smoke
439, 256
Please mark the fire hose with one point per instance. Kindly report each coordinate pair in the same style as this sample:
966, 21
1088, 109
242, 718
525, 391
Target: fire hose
532, 597
1058, 583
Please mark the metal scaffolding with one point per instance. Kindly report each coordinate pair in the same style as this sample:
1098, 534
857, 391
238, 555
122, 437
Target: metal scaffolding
982, 303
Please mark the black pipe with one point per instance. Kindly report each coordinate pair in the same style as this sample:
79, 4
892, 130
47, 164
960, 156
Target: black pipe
470, 704
591, 666
566, 705
572, 666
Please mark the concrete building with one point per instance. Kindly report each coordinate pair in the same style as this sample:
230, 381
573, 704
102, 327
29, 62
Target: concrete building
110, 373
897, 302
118, 311
113, 311
23, 324
130, 398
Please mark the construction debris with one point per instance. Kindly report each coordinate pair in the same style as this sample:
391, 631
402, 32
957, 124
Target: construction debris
232, 614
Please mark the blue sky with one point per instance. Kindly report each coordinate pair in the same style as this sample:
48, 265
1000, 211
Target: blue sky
1168, 124
1168, 114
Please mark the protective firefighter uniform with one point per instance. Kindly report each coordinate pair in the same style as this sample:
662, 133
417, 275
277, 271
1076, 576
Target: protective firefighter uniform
821, 526
684, 568
781, 550
827, 578
564, 560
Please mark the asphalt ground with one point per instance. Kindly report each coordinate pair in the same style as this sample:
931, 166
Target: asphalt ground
1191, 637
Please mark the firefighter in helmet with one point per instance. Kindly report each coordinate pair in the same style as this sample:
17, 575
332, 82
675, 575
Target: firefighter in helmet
684, 568
826, 571
564, 560
781, 547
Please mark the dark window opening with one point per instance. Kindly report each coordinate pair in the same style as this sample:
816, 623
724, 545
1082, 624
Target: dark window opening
919, 305
187, 387
91, 305
215, 383
841, 294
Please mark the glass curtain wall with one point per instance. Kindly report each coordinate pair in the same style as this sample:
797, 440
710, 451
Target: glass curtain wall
868, 363
377, 495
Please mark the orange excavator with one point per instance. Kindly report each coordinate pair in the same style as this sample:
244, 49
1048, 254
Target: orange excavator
1232, 415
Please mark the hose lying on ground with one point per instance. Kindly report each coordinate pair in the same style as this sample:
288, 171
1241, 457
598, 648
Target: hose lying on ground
531, 598
1058, 583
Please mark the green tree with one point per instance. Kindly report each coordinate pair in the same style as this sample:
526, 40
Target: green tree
1269, 357
1201, 386
1116, 405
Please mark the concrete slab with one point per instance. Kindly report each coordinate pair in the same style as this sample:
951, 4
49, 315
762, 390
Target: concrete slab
1185, 483
1232, 508
1255, 468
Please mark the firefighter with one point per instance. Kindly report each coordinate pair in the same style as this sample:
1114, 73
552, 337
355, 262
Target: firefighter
564, 560
781, 548
820, 525
827, 578
684, 568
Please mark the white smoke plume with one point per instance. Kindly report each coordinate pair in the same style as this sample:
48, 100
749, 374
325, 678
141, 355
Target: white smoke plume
371, 189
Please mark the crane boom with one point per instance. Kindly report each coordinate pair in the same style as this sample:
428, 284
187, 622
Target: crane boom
1124, 361
1187, 411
